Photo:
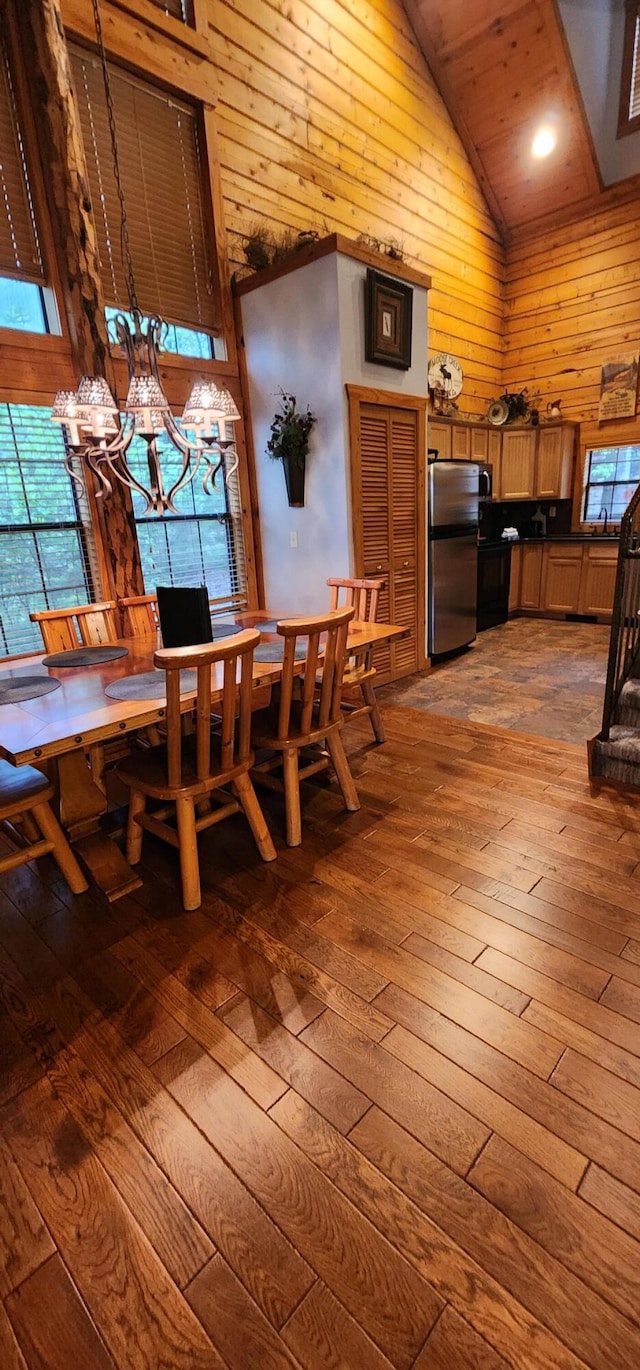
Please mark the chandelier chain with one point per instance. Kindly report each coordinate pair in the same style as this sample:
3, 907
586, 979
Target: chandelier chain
125, 242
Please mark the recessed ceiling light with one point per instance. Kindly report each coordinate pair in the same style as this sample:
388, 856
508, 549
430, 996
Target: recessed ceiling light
544, 141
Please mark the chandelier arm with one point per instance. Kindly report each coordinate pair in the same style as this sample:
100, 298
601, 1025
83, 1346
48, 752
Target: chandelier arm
105, 486
209, 478
230, 451
123, 473
187, 474
68, 466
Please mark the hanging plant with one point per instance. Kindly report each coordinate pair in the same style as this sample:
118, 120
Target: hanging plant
289, 443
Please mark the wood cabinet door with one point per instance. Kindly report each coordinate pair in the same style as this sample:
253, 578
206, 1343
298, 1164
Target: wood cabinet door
388, 516
530, 577
517, 476
561, 578
479, 444
554, 462
599, 569
439, 438
514, 579
460, 443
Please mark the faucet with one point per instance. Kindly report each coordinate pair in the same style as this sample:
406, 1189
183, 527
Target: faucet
603, 511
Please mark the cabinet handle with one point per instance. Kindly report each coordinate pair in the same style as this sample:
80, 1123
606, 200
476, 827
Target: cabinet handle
379, 568
405, 563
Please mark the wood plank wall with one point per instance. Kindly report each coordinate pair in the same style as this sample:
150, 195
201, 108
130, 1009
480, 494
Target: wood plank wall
328, 118
572, 303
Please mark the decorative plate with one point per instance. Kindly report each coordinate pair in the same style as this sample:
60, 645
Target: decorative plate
498, 412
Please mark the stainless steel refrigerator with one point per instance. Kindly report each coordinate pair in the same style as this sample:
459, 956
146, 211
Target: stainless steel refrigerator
453, 554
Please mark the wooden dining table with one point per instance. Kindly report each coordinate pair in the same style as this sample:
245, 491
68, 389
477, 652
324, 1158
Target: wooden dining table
68, 729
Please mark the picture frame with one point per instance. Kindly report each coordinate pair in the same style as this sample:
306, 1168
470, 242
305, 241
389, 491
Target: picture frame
388, 321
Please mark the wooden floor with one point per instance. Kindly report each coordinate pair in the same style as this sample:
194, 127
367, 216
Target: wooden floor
375, 1105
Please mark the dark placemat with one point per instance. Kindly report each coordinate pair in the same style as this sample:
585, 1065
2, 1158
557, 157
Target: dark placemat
85, 656
274, 651
18, 687
148, 685
225, 629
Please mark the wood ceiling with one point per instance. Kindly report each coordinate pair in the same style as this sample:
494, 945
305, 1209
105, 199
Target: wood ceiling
503, 68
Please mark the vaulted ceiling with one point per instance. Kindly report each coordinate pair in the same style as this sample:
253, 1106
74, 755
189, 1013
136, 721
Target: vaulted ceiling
503, 68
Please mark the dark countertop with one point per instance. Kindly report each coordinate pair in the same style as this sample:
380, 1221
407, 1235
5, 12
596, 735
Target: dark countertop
551, 537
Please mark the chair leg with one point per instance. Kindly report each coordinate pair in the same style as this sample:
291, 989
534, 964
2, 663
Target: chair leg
292, 797
248, 798
188, 838
375, 715
341, 766
137, 802
61, 851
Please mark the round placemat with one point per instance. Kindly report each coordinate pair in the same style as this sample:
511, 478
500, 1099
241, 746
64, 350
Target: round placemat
148, 685
274, 651
225, 630
85, 656
15, 688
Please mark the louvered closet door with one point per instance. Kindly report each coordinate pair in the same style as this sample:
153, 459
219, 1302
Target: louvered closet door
388, 533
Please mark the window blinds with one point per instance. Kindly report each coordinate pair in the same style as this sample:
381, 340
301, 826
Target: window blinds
162, 181
19, 248
634, 94
180, 9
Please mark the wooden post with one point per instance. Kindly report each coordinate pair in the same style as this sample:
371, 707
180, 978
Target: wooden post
62, 153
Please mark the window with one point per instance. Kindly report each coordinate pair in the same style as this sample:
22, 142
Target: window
162, 176
203, 543
179, 9
629, 115
187, 342
22, 305
46, 546
612, 475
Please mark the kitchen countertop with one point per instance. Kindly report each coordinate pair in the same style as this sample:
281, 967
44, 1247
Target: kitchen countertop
551, 537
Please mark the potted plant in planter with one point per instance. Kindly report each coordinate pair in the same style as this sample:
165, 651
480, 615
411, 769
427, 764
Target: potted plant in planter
289, 443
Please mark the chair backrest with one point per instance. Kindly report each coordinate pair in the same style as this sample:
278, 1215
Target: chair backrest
235, 740
363, 594
320, 675
139, 615
88, 625
227, 604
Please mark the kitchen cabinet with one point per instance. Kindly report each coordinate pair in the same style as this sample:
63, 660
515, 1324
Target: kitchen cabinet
561, 575
460, 443
598, 581
518, 464
554, 462
530, 576
514, 581
564, 577
439, 438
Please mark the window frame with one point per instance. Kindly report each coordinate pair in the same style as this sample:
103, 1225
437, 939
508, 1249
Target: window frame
588, 485
631, 45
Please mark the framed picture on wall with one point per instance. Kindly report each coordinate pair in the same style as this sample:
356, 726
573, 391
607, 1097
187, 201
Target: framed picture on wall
388, 318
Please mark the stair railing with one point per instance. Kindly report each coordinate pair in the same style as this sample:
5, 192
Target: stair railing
624, 642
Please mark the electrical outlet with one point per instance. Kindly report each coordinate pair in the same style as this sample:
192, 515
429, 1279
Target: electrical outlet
293, 540
552, 511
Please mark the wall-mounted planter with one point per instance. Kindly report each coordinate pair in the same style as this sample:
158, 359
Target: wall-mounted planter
294, 475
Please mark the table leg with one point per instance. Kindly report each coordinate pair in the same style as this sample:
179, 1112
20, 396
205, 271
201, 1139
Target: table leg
82, 805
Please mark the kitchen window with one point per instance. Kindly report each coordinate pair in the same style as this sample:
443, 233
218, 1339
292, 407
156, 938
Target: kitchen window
611, 477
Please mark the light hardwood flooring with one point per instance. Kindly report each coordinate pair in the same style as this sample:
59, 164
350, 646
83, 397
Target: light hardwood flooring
531, 675
377, 1104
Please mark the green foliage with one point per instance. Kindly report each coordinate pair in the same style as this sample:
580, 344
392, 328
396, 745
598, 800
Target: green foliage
290, 431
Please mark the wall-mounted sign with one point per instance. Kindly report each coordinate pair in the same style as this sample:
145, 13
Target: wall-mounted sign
618, 388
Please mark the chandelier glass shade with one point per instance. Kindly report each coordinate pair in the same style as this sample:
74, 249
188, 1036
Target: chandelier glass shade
99, 435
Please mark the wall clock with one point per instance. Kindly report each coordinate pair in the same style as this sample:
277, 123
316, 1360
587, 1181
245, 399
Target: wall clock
445, 374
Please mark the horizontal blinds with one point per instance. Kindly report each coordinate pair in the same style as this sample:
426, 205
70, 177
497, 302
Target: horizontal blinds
162, 179
180, 9
47, 550
634, 95
19, 247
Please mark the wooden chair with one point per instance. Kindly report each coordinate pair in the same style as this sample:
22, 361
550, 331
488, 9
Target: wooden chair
25, 795
308, 715
360, 672
139, 615
189, 770
88, 625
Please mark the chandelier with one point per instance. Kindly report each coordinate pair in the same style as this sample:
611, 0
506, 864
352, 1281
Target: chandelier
99, 436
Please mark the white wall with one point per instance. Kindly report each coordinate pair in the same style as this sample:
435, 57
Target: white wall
290, 329
305, 333
595, 32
